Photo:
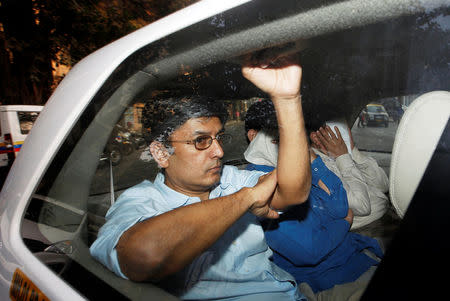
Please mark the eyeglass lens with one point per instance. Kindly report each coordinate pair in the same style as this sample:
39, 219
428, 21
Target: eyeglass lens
203, 142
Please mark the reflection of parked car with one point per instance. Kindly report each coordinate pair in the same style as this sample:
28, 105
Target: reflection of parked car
200, 50
375, 114
16, 122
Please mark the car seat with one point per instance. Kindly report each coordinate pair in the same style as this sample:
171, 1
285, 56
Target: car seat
416, 262
416, 139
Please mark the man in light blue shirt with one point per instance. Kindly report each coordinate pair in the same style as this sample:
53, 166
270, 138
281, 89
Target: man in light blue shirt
195, 229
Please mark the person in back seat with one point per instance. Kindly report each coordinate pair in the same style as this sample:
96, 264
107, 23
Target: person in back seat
194, 230
312, 240
366, 183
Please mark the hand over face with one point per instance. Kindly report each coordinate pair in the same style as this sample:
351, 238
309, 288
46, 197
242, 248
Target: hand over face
279, 77
329, 143
261, 195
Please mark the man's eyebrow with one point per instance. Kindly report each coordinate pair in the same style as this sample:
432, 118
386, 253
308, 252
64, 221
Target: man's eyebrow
200, 132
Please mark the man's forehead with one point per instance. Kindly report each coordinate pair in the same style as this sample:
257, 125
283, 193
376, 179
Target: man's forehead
202, 125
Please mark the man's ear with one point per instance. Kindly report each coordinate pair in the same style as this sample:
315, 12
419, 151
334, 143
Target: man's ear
160, 154
251, 134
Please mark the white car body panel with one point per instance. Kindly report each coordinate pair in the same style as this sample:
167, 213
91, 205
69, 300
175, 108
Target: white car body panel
57, 118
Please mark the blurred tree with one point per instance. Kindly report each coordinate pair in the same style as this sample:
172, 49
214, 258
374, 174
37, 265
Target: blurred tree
36, 36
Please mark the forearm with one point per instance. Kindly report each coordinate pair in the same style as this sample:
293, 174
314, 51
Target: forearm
163, 245
294, 172
355, 185
371, 171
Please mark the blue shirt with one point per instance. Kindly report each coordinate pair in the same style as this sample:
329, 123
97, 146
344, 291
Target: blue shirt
312, 240
237, 266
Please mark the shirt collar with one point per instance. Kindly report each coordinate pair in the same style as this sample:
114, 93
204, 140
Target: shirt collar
176, 198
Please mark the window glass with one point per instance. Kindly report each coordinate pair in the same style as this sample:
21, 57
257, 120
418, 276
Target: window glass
107, 150
26, 120
376, 125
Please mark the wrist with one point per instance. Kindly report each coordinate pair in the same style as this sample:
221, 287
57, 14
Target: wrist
341, 154
245, 198
344, 162
286, 98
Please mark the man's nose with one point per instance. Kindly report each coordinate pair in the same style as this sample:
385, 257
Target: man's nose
216, 149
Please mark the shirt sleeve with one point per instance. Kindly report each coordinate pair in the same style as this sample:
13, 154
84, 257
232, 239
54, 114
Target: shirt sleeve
130, 208
373, 174
355, 185
240, 178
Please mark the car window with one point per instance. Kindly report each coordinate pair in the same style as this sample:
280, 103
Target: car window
376, 125
26, 120
107, 151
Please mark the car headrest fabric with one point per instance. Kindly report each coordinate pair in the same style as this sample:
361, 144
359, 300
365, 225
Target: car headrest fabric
415, 141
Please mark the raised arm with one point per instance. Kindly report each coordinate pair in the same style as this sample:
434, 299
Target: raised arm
281, 80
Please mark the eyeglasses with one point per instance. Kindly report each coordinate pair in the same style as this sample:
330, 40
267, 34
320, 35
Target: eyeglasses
203, 142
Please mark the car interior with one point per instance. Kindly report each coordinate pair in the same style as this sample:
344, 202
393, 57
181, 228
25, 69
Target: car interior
384, 52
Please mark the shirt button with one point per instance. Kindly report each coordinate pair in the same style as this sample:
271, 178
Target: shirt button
315, 169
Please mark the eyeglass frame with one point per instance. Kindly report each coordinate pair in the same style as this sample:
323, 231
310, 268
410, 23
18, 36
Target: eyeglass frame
211, 139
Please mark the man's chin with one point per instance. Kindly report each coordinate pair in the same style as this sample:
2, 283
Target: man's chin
213, 176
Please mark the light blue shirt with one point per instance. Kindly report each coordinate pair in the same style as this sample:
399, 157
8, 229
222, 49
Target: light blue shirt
236, 267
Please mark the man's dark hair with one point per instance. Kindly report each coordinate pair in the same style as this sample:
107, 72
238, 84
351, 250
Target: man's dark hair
261, 116
162, 116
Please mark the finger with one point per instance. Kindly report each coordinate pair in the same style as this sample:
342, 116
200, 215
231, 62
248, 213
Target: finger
269, 180
313, 137
321, 147
246, 72
314, 140
338, 133
321, 135
272, 214
325, 133
330, 132
267, 176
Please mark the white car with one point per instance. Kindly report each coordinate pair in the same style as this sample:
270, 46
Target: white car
352, 52
16, 122
376, 114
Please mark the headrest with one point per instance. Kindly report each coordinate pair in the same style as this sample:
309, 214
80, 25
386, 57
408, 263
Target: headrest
416, 139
